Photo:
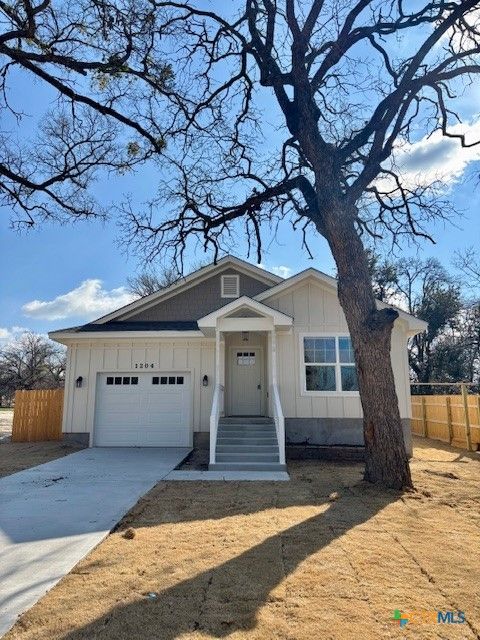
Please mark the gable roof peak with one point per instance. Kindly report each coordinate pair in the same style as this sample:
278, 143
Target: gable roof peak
191, 279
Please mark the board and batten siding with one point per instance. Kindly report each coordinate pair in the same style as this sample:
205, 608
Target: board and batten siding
196, 356
316, 309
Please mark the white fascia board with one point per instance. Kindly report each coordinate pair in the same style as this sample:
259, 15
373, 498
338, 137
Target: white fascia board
187, 282
72, 336
278, 317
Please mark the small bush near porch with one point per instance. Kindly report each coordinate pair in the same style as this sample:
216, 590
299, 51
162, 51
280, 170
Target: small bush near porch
322, 556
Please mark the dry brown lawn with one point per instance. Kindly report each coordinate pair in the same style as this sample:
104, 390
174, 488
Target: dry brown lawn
16, 456
271, 561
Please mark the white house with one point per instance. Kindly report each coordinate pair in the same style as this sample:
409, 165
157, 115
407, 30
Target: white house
231, 357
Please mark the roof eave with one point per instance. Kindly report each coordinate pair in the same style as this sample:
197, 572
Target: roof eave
66, 337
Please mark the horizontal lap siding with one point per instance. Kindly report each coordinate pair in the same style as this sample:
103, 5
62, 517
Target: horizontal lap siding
315, 308
196, 357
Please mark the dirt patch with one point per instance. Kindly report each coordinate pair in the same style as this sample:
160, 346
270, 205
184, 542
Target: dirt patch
197, 460
6, 421
280, 561
16, 456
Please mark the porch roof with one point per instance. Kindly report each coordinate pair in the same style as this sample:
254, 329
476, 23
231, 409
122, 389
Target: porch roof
230, 318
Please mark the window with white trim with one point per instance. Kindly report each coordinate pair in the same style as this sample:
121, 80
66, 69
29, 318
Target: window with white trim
329, 364
230, 287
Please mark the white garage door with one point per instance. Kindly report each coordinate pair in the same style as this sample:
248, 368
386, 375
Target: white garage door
142, 410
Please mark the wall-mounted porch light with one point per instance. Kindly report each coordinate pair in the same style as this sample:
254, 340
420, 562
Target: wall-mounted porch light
205, 381
79, 382
245, 336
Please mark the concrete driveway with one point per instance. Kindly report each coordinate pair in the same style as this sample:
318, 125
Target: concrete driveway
52, 515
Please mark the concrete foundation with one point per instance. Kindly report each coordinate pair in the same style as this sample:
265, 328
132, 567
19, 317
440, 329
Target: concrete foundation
317, 452
333, 432
201, 440
80, 438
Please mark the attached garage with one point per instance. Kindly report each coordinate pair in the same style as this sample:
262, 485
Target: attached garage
142, 410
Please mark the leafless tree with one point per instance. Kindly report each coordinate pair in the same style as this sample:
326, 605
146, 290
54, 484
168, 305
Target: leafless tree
155, 279
429, 292
468, 263
31, 362
148, 282
286, 110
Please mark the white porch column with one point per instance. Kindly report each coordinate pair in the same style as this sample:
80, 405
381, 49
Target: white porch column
276, 405
217, 357
269, 373
273, 349
217, 400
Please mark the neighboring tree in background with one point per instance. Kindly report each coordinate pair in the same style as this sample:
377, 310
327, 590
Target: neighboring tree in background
153, 280
468, 263
430, 293
148, 282
384, 276
31, 362
425, 289
456, 356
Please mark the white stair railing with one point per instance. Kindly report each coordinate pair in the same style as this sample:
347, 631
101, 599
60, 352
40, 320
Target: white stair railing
279, 422
217, 408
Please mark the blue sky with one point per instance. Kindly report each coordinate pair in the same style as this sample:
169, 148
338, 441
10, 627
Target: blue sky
57, 276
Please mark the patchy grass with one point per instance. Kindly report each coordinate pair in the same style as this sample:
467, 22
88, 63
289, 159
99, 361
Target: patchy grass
16, 456
271, 561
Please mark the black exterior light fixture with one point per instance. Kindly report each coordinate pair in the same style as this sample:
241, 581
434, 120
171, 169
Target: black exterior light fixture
79, 382
205, 381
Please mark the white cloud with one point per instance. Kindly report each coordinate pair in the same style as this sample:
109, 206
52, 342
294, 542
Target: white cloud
282, 271
89, 300
10, 334
461, 40
436, 158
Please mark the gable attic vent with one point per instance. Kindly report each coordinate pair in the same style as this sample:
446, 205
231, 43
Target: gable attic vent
230, 286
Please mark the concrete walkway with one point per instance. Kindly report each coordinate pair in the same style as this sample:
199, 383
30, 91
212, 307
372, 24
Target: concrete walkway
52, 515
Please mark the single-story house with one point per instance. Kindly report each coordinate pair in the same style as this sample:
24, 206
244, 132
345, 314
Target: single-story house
231, 357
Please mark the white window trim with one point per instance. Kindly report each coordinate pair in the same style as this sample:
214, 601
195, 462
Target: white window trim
337, 365
222, 291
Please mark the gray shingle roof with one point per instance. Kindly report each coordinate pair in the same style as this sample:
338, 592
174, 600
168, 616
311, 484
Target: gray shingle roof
164, 325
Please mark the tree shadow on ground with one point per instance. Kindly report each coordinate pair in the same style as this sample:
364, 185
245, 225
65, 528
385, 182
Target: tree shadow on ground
228, 598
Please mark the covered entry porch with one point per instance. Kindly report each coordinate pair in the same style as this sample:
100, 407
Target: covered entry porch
247, 425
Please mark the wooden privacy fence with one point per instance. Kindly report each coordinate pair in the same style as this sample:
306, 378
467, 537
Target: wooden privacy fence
37, 415
451, 418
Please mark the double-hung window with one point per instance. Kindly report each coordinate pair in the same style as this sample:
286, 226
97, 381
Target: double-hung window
329, 364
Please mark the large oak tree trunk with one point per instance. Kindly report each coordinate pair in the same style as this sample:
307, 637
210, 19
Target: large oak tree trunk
370, 331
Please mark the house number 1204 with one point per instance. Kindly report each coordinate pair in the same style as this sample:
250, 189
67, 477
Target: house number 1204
144, 365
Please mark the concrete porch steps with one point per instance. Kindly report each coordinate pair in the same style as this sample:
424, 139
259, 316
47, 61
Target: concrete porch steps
246, 420
248, 444
247, 466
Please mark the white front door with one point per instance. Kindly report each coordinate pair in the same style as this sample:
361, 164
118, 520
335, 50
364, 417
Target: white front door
246, 382
142, 410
